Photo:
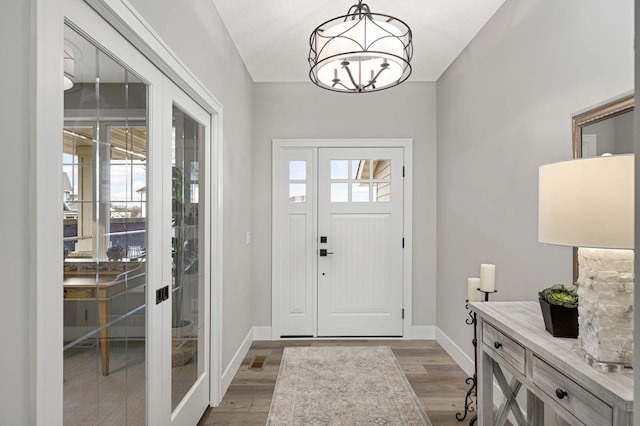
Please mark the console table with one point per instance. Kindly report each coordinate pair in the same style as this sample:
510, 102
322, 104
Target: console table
512, 338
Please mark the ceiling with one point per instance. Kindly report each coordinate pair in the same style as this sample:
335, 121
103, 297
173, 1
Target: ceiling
272, 36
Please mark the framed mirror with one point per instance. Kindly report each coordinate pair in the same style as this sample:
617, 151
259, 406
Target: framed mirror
605, 129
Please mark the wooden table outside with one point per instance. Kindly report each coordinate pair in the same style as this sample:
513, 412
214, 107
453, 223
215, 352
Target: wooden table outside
82, 283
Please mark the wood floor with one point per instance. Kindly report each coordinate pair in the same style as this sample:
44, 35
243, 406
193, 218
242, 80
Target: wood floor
436, 379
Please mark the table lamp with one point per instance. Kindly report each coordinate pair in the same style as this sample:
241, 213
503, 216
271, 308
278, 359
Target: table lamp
589, 203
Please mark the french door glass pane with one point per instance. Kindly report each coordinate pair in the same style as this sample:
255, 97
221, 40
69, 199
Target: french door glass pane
105, 238
187, 362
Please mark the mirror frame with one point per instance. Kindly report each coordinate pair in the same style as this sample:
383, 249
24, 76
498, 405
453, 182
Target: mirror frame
594, 115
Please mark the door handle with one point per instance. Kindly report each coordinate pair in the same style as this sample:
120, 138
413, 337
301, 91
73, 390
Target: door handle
162, 294
324, 252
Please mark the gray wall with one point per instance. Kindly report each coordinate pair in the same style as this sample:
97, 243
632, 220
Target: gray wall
302, 110
14, 187
504, 109
194, 31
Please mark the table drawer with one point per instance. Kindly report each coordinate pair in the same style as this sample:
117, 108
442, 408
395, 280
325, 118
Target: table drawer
508, 349
588, 408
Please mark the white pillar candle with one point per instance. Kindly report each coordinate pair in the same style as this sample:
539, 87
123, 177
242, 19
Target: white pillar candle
473, 295
487, 277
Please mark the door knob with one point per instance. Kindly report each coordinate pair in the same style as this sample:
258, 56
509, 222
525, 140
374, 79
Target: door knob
324, 252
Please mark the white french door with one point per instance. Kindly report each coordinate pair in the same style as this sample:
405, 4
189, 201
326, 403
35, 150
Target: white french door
186, 148
136, 154
338, 243
360, 199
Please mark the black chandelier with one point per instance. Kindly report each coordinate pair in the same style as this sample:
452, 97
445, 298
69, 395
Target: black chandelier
360, 52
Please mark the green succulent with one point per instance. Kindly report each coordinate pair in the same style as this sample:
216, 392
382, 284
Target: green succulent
560, 295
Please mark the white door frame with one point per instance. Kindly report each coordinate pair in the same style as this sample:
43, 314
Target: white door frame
45, 100
407, 145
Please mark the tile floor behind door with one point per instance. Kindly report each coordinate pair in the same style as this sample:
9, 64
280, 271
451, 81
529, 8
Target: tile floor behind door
436, 379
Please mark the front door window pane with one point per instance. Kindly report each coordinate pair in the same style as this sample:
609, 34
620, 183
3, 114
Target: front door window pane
360, 169
360, 192
339, 192
297, 192
297, 170
339, 169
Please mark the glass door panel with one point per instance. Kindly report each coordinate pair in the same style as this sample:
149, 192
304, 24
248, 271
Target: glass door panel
105, 238
187, 356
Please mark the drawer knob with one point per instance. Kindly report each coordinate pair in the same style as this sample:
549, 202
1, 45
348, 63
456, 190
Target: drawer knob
561, 393
497, 345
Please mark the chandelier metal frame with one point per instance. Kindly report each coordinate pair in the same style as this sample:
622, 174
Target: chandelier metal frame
376, 31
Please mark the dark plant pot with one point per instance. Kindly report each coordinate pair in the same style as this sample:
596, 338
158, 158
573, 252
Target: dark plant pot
115, 255
558, 320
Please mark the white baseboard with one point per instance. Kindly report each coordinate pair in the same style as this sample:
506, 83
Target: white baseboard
417, 332
454, 351
262, 332
235, 363
423, 332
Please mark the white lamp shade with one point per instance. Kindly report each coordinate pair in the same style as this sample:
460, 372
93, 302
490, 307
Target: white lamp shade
587, 202
372, 40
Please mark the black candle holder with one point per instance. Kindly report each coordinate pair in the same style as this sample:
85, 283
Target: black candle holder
470, 398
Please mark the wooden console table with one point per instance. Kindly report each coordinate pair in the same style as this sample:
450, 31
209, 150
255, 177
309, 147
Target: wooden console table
101, 282
512, 338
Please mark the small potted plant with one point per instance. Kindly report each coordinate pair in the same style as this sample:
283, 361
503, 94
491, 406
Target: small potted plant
115, 252
559, 305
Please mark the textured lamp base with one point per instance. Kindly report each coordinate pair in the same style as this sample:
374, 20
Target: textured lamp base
605, 290
606, 367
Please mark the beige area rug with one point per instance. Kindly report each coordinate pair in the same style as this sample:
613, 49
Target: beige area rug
343, 386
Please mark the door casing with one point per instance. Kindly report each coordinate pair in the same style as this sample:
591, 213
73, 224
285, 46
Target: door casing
279, 146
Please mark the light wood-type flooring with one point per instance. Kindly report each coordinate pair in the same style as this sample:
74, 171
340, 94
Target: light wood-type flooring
436, 379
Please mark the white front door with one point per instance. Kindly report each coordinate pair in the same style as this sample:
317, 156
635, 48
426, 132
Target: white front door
338, 256
360, 198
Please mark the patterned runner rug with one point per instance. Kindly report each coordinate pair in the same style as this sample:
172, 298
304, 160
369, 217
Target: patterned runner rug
343, 386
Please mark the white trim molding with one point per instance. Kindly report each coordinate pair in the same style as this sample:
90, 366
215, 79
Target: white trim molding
236, 362
262, 332
458, 355
45, 307
422, 332
418, 332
